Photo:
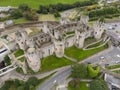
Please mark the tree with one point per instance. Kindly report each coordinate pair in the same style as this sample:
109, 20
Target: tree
98, 84
56, 14
7, 85
15, 14
43, 9
79, 71
93, 72
7, 60
24, 7
17, 83
33, 81
31, 15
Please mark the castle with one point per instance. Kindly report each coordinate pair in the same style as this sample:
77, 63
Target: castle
49, 39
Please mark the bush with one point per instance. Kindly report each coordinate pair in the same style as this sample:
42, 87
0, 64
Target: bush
7, 85
33, 81
24, 7
56, 14
93, 72
15, 14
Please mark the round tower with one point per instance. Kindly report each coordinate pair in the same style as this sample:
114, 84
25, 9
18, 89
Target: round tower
59, 48
33, 59
79, 39
98, 30
21, 38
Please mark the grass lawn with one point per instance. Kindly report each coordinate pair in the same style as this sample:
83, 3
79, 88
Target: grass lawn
89, 40
113, 66
117, 71
19, 53
47, 17
21, 20
96, 44
83, 86
80, 54
52, 62
22, 59
35, 3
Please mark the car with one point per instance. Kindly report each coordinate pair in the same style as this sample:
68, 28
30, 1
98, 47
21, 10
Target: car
54, 81
118, 55
102, 57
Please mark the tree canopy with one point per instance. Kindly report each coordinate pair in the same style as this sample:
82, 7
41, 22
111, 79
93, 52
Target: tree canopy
98, 84
79, 71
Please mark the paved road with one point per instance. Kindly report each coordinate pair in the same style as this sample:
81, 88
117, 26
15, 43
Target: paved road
61, 77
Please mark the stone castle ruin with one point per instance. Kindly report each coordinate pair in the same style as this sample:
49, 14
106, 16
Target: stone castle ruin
44, 39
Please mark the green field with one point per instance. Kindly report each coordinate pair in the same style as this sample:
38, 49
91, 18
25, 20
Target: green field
35, 3
21, 20
48, 17
19, 52
52, 62
81, 54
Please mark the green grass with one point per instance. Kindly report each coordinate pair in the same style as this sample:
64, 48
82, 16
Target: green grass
47, 17
83, 86
113, 66
89, 40
35, 3
52, 62
22, 59
117, 71
96, 44
80, 54
21, 20
19, 53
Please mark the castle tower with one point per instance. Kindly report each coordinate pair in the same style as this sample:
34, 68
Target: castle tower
79, 39
98, 30
59, 48
45, 28
33, 59
56, 34
21, 38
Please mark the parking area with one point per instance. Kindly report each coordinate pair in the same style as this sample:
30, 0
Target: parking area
108, 58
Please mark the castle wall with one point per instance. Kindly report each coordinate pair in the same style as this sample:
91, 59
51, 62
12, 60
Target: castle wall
47, 50
69, 42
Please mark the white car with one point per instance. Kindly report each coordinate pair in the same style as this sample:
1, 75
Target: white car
118, 55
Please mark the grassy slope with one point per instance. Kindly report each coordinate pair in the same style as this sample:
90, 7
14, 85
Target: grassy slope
35, 3
52, 62
80, 54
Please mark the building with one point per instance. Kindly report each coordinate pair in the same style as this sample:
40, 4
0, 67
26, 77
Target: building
45, 39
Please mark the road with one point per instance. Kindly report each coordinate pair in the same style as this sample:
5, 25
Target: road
110, 58
59, 78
